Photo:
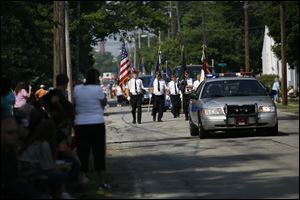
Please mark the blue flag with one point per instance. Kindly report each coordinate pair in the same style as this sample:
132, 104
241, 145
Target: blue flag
158, 62
143, 69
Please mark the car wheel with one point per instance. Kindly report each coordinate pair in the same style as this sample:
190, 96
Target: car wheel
193, 129
202, 133
269, 131
273, 131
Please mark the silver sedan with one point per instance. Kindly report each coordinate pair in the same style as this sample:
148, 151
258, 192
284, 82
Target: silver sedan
229, 104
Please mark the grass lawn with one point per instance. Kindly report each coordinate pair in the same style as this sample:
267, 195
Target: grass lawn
293, 107
90, 190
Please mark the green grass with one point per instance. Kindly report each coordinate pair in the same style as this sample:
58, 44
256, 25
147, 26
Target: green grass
293, 107
90, 190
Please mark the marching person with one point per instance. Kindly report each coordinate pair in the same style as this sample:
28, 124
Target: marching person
159, 87
135, 89
188, 86
175, 96
119, 94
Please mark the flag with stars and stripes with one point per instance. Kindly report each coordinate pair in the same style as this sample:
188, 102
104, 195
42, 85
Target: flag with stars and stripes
124, 66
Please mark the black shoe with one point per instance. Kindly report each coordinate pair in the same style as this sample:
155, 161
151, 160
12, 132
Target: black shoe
154, 119
186, 119
160, 120
139, 122
134, 122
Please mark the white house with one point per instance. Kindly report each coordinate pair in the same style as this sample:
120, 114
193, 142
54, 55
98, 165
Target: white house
272, 65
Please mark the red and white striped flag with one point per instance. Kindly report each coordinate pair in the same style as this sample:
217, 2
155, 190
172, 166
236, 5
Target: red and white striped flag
124, 66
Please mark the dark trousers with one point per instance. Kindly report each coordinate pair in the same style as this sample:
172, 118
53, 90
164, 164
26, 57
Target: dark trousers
186, 103
92, 135
158, 106
136, 103
176, 104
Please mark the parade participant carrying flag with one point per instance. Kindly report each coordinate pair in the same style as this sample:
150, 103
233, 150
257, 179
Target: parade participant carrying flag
158, 62
124, 68
204, 61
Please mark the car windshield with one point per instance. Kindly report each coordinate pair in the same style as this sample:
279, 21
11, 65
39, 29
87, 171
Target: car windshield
227, 88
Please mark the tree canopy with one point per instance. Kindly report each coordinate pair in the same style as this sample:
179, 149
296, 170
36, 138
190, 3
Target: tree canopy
27, 33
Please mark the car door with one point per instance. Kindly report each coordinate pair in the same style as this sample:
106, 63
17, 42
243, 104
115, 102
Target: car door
195, 104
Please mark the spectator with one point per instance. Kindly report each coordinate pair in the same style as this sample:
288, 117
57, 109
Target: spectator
38, 158
7, 98
40, 92
21, 97
89, 124
58, 106
276, 89
11, 184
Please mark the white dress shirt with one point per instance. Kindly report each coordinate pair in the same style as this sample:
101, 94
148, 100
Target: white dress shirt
189, 83
172, 86
139, 86
196, 84
162, 85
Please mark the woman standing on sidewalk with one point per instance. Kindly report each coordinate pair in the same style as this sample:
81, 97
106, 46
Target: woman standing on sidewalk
89, 123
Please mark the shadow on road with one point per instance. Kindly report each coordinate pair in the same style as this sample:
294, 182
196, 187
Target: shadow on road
183, 176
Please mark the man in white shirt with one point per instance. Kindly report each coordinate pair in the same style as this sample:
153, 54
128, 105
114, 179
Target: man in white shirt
175, 96
159, 88
197, 82
186, 94
135, 88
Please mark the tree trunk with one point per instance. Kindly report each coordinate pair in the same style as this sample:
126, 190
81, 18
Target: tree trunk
59, 65
68, 53
77, 44
283, 62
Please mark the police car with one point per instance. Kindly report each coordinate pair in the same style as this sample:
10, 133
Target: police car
231, 102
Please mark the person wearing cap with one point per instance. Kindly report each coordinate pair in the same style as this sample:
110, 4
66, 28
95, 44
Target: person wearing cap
186, 94
134, 91
159, 88
40, 92
175, 96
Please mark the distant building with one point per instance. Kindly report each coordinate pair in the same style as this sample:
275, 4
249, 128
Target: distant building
272, 65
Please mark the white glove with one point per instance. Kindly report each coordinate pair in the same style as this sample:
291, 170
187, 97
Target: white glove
128, 98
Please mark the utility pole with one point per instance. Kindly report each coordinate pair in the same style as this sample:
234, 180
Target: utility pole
283, 63
58, 39
178, 18
247, 67
171, 20
68, 54
77, 43
139, 35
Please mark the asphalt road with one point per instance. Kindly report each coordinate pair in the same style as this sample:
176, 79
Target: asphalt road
161, 160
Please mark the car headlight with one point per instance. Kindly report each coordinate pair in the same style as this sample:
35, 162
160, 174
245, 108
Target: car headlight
266, 109
212, 111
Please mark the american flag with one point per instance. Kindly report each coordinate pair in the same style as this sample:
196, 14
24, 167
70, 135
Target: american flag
124, 65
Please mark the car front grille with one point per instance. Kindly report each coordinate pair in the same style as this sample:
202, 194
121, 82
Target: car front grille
237, 110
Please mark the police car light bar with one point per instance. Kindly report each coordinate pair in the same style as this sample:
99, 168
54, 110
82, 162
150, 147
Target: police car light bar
237, 74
